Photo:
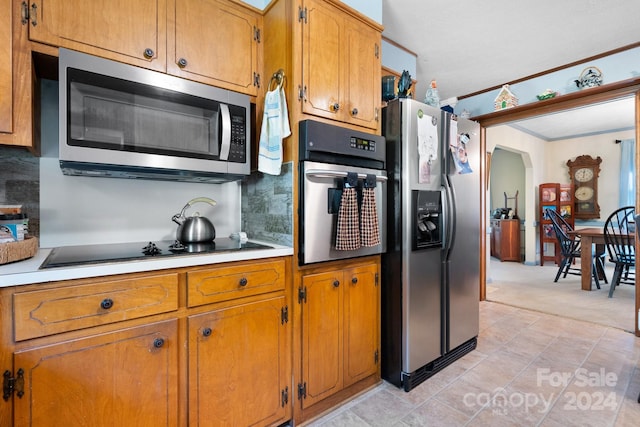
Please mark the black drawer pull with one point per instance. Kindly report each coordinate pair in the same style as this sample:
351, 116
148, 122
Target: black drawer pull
354, 280
158, 342
106, 303
206, 332
336, 283
243, 281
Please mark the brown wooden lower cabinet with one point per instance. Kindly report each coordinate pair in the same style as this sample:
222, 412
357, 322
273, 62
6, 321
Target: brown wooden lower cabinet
236, 373
130, 358
505, 239
121, 378
340, 335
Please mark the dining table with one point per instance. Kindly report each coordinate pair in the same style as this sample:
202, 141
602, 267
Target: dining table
589, 237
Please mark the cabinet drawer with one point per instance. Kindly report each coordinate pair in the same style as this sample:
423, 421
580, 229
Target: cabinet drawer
51, 311
220, 284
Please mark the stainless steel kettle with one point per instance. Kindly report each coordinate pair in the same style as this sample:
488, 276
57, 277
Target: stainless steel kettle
196, 228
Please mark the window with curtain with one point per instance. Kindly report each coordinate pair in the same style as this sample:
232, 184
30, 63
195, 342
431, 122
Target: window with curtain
627, 172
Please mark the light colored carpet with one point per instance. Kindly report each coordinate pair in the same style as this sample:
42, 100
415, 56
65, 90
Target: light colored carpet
532, 287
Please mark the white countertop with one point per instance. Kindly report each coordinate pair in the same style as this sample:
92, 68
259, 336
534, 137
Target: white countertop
27, 271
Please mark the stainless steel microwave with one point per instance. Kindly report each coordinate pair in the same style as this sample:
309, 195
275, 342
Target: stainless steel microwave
121, 121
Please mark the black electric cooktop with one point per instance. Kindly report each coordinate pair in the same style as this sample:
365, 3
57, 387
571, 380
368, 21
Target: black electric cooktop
65, 256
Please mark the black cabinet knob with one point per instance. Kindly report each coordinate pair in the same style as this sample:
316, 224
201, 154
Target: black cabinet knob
106, 303
335, 107
149, 53
354, 280
336, 283
182, 62
158, 342
206, 332
354, 112
243, 281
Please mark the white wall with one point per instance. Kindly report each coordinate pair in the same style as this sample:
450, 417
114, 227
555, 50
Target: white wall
507, 176
556, 169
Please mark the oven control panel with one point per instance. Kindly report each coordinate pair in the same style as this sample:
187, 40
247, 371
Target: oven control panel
336, 144
363, 144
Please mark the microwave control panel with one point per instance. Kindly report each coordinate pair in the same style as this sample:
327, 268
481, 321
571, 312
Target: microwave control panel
238, 148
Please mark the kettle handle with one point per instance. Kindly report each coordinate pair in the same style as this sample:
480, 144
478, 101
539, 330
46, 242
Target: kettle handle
196, 200
202, 199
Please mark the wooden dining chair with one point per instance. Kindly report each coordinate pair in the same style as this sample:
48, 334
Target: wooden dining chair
619, 230
570, 250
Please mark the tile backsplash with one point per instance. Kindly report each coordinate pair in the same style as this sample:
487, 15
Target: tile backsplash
19, 183
267, 206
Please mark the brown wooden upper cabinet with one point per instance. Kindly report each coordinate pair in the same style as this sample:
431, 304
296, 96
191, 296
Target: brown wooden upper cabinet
341, 65
214, 42
131, 31
16, 79
6, 75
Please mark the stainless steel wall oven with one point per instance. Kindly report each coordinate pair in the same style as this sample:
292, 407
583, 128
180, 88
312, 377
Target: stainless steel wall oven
335, 159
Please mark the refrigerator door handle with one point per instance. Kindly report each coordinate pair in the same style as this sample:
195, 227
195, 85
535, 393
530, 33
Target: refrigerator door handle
450, 210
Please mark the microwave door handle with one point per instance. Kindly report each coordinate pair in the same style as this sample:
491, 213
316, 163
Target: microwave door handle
225, 142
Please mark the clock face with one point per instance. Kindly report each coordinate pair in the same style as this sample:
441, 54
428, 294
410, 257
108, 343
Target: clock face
583, 174
584, 193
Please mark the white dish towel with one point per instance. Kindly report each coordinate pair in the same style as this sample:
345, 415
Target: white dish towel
275, 127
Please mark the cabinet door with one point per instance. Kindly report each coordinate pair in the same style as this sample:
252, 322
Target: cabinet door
361, 324
363, 86
322, 337
17, 80
214, 42
340, 66
6, 70
116, 379
322, 52
131, 31
239, 365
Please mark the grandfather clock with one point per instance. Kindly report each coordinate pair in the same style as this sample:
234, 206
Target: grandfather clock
584, 171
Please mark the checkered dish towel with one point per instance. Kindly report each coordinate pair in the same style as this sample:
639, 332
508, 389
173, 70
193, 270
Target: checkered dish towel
348, 230
369, 230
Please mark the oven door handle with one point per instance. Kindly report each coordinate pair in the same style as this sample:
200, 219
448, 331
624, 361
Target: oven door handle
319, 173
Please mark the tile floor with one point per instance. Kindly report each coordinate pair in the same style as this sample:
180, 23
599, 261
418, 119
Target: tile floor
530, 369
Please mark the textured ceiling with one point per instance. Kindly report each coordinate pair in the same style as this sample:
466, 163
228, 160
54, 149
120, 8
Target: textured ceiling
606, 117
469, 46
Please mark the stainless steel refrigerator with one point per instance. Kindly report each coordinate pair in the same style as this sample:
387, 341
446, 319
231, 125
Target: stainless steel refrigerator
431, 270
